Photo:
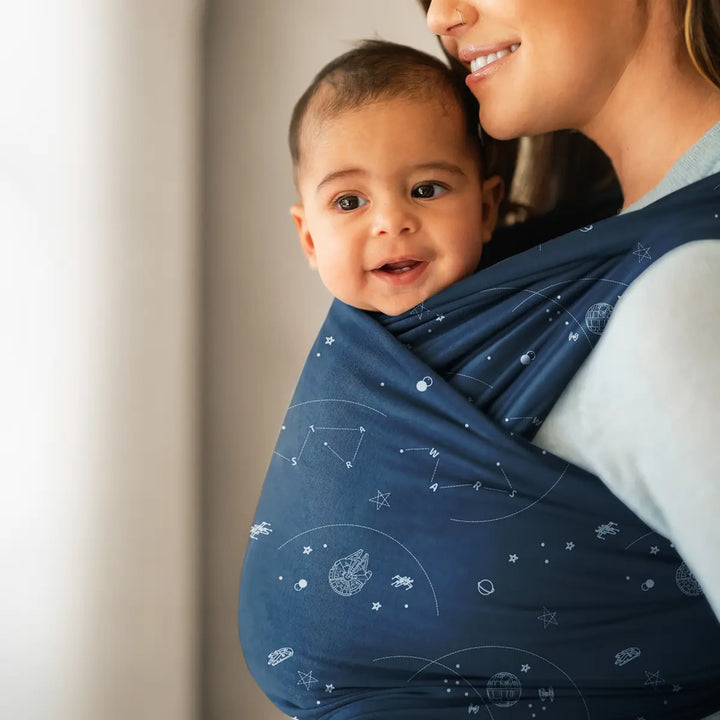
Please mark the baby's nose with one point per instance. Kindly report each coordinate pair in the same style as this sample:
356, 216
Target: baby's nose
394, 218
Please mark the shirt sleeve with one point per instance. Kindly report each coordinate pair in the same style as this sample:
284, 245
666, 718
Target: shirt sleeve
643, 412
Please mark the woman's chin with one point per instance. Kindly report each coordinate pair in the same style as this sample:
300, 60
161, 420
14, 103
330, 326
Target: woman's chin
501, 128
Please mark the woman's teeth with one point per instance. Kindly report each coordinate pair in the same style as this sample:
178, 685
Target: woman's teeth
483, 60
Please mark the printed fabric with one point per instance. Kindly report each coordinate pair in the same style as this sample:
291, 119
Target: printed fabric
413, 554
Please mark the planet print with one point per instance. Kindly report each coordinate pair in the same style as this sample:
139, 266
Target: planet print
687, 582
504, 689
597, 316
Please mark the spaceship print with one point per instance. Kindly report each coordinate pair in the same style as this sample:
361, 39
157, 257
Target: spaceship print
280, 655
349, 575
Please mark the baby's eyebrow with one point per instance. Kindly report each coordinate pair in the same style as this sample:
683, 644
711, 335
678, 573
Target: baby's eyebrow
340, 174
440, 165
422, 167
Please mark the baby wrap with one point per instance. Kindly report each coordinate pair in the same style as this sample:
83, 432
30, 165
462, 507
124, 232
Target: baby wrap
413, 554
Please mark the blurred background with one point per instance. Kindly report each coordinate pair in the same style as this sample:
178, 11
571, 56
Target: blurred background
155, 312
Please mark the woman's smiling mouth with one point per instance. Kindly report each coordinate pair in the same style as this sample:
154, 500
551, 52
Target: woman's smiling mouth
483, 60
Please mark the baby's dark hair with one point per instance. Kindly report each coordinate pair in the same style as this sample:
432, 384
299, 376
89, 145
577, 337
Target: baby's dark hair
377, 70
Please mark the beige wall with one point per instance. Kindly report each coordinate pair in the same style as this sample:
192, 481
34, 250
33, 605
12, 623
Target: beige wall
105, 263
99, 290
262, 304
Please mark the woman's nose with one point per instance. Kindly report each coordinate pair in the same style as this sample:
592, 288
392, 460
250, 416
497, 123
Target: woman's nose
445, 17
393, 219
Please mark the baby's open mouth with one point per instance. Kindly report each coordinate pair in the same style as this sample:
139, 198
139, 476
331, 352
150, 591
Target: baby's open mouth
398, 267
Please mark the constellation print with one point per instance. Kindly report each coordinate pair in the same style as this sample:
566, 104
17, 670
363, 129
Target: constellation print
531, 504
312, 432
477, 486
435, 454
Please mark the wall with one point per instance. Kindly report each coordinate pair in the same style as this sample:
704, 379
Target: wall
262, 304
99, 164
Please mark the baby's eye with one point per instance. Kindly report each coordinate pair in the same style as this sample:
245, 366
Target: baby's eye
428, 190
347, 203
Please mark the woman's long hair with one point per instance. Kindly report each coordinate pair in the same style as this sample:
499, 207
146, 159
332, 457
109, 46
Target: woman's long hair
700, 20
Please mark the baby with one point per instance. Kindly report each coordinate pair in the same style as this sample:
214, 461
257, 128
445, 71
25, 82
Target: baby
386, 160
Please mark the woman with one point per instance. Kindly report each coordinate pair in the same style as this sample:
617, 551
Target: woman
416, 555
647, 93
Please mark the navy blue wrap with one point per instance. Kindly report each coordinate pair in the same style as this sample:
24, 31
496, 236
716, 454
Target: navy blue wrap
414, 555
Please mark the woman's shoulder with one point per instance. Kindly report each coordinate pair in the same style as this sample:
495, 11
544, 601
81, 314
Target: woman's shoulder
651, 387
682, 285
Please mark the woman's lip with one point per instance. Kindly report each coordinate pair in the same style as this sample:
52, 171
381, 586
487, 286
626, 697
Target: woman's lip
476, 76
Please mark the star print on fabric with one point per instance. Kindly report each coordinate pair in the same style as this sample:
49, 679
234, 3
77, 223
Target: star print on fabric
548, 618
653, 679
307, 550
569, 545
376, 606
524, 668
513, 558
306, 679
329, 340
329, 688
677, 688
642, 252
440, 318
380, 500
654, 550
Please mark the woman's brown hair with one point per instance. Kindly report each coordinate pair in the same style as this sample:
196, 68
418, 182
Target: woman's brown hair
700, 20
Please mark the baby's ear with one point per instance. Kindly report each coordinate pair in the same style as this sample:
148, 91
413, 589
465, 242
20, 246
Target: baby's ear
306, 242
493, 191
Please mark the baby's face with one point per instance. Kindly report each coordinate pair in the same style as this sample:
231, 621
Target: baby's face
392, 202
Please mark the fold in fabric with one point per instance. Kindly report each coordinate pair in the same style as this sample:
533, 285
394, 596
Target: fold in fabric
413, 555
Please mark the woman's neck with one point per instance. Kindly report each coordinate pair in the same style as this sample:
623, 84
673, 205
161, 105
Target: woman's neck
660, 108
